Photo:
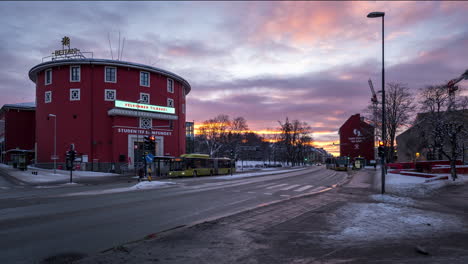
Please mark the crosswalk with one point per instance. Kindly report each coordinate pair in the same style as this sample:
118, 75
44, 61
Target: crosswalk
296, 188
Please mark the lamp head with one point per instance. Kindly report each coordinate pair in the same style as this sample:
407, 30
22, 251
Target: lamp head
376, 14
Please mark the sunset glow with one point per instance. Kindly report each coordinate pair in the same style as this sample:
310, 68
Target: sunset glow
264, 61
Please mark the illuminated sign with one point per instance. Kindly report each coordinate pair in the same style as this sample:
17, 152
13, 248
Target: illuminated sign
145, 107
64, 52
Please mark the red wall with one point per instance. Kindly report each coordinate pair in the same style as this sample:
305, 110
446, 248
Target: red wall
19, 129
91, 130
357, 138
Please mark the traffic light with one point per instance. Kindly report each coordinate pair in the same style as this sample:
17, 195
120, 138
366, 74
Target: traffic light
70, 158
381, 149
149, 143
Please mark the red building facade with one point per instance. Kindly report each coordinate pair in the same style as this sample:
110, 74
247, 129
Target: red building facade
105, 108
357, 138
17, 130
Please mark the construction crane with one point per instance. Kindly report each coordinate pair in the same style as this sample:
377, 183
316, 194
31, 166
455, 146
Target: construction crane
374, 96
451, 84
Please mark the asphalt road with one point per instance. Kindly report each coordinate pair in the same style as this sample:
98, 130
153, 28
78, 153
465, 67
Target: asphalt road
36, 222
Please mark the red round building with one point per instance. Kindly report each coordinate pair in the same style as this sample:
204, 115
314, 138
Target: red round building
105, 108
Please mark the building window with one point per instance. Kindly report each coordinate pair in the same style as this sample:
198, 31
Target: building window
170, 85
170, 102
146, 123
144, 79
183, 108
48, 97
75, 73
144, 98
48, 76
74, 94
109, 95
110, 74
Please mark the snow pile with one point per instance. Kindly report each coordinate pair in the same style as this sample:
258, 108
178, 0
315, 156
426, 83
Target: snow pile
415, 186
136, 187
385, 198
364, 222
45, 175
150, 185
252, 174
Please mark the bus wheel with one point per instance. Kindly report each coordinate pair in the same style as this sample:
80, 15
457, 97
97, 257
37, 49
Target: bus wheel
194, 173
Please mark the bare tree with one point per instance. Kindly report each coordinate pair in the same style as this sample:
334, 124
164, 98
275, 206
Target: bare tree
213, 133
444, 123
295, 141
399, 107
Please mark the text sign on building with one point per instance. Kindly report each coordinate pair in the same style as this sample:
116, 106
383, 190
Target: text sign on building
144, 107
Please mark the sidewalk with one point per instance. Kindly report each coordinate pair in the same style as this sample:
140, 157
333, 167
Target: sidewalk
349, 224
47, 176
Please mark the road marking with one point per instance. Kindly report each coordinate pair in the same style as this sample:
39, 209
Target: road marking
290, 187
285, 195
304, 188
250, 192
318, 189
268, 193
276, 186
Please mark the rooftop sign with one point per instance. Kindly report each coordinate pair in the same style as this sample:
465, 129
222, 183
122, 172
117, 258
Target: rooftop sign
144, 107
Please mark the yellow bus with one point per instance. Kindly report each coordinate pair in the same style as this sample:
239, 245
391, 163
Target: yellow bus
200, 165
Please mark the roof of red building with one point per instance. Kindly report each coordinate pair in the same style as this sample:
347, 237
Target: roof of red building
42, 66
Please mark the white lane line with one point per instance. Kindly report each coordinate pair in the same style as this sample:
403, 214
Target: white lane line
304, 188
250, 192
268, 193
276, 186
285, 195
290, 187
318, 189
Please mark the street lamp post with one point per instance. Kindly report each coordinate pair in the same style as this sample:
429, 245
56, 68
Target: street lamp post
137, 143
55, 142
382, 15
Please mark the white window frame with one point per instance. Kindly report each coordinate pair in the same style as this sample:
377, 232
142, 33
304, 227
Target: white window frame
141, 98
71, 93
50, 97
183, 108
110, 90
170, 88
149, 77
170, 100
71, 73
45, 77
105, 74
141, 123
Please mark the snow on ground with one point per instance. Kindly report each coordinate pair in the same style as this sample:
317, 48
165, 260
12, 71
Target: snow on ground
45, 175
140, 186
414, 186
252, 174
364, 222
392, 199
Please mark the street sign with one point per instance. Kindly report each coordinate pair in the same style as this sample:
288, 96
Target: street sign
149, 157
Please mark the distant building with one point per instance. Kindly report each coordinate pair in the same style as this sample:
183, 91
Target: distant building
411, 144
190, 137
357, 138
17, 131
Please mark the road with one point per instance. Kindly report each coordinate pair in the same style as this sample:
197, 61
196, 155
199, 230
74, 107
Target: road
36, 223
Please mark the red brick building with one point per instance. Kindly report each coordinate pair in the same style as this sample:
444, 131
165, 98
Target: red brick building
357, 138
17, 130
105, 108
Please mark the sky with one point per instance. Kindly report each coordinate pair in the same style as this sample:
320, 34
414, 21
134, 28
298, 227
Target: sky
262, 60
